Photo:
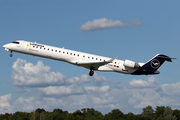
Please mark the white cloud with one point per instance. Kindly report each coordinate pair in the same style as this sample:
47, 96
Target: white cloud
22, 90
97, 89
104, 23
39, 75
102, 98
134, 22
62, 90
27, 74
117, 84
171, 89
56, 90
149, 83
5, 106
26, 104
98, 80
143, 97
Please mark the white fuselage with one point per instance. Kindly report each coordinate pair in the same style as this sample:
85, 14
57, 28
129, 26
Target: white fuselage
70, 56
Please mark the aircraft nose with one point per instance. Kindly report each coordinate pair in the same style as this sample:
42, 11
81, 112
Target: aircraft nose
7, 47
4, 46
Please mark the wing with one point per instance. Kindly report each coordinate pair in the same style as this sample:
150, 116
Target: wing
94, 65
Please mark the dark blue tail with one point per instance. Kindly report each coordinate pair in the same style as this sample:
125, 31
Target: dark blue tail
152, 65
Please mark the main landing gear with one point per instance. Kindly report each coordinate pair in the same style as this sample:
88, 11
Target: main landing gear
11, 54
91, 73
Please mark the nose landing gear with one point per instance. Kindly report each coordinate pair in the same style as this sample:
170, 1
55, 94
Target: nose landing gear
11, 54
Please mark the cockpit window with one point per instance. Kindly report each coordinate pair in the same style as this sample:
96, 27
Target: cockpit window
15, 42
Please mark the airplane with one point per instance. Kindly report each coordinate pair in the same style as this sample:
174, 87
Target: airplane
86, 60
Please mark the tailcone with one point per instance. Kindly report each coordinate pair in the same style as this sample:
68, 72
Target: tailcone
156, 72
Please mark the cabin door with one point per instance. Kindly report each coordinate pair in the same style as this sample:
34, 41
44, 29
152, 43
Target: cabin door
25, 46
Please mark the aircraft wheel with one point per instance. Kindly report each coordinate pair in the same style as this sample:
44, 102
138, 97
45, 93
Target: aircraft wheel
91, 73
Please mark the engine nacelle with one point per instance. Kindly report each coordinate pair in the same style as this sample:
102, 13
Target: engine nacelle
130, 64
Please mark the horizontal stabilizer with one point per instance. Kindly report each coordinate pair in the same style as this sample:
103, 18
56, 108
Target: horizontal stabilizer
166, 58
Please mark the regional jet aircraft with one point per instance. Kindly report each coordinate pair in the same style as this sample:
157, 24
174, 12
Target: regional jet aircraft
89, 61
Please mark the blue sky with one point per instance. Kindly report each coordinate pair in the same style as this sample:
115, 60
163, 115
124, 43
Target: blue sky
58, 23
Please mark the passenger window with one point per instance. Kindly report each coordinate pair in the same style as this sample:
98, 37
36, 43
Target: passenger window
92, 57
63, 52
36, 46
100, 59
52, 50
78, 55
40, 47
48, 49
33, 46
96, 58
44, 48
74, 54
55, 50
59, 51
67, 52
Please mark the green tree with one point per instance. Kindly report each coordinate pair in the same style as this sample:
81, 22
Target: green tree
115, 114
177, 114
6, 116
99, 115
91, 114
130, 116
78, 115
57, 114
168, 114
159, 110
84, 110
40, 110
38, 114
147, 113
159, 113
21, 116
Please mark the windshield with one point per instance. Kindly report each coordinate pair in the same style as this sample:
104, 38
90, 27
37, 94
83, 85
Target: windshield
15, 42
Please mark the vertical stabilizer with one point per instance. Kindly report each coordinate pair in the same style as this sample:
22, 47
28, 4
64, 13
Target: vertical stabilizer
152, 65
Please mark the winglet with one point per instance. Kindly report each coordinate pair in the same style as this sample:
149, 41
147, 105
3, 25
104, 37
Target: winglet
111, 60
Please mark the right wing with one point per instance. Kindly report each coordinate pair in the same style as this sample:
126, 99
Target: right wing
94, 65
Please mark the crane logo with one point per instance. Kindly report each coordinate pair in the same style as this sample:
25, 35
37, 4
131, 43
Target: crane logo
155, 63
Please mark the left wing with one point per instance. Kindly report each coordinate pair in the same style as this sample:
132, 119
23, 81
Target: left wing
94, 65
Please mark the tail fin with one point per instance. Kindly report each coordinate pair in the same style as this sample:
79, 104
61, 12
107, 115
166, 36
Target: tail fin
152, 65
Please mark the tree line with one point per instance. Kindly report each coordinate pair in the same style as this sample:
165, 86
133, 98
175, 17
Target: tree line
160, 113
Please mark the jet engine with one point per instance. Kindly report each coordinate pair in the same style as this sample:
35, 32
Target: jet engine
130, 64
